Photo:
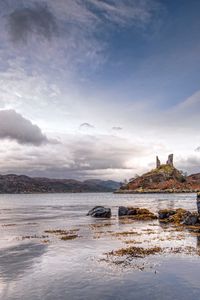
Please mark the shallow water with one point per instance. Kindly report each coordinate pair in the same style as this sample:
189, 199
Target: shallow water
36, 265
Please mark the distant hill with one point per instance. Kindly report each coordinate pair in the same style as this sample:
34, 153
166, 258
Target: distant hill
164, 178
18, 184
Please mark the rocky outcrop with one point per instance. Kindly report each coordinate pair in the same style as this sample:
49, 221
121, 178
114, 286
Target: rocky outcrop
100, 212
165, 178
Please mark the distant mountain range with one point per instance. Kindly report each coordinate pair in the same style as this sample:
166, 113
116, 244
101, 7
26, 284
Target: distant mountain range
19, 184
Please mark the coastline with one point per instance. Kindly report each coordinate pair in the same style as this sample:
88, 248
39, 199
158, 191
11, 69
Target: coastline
157, 192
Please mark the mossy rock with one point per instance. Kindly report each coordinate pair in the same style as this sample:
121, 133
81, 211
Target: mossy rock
136, 213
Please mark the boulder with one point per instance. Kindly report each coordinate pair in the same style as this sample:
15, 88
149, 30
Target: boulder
190, 219
122, 211
100, 212
165, 213
126, 211
136, 213
198, 202
198, 206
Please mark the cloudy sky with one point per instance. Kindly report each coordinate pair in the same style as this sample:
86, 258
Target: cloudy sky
98, 88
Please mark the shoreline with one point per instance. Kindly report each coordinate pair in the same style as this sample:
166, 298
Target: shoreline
157, 192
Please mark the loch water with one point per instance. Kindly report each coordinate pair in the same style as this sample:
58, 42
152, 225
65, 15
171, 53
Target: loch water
39, 266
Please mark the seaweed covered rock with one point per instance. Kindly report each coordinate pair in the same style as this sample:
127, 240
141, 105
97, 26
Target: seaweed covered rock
136, 213
100, 212
136, 252
165, 213
178, 216
125, 211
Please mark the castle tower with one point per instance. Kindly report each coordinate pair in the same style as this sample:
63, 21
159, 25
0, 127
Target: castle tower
170, 160
157, 162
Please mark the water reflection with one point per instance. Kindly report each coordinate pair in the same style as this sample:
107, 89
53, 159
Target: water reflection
72, 269
14, 261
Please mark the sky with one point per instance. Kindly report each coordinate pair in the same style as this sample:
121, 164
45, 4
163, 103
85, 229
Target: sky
98, 88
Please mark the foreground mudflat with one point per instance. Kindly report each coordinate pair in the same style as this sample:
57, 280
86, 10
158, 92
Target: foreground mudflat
51, 249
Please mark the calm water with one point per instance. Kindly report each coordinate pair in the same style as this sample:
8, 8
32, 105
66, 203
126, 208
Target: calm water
48, 268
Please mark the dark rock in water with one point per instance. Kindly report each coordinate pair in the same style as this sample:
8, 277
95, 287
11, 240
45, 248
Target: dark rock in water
198, 206
191, 219
127, 211
100, 212
136, 213
132, 212
173, 216
122, 211
165, 213
198, 202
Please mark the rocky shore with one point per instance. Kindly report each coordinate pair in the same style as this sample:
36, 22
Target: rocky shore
178, 216
166, 232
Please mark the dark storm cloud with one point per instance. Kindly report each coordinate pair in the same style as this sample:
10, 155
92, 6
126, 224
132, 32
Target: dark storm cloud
14, 126
37, 19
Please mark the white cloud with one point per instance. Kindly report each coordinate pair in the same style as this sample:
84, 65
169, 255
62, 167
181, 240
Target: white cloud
80, 156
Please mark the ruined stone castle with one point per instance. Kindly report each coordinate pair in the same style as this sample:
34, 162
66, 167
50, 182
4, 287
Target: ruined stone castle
168, 162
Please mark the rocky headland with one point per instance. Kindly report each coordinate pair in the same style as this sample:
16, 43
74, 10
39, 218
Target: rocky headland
165, 178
